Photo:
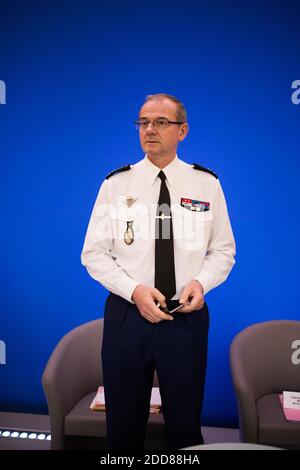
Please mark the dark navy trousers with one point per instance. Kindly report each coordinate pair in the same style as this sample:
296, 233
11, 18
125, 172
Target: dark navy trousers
132, 349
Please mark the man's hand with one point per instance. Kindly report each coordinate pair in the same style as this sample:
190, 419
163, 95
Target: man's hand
193, 293
144, 297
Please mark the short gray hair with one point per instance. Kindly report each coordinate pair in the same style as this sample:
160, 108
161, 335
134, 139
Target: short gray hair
181, 114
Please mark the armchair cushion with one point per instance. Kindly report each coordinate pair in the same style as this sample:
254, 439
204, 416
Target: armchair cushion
273, 428
81, 421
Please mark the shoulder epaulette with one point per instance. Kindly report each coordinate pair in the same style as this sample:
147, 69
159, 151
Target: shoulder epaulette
118, 170
202, 168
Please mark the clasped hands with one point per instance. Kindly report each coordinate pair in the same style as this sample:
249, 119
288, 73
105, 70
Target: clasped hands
146, 299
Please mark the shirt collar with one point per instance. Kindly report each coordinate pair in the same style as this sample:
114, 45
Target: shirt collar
169, 170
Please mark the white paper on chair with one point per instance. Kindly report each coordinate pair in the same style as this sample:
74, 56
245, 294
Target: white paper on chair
291, 400
155, 397
98, 403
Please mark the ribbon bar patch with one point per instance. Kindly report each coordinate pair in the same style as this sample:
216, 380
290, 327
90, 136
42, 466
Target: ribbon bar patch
194, 205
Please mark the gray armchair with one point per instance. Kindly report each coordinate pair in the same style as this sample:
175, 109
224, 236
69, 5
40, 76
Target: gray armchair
262, 366
70, 380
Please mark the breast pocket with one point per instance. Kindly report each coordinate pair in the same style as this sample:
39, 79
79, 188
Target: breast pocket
132, 232
191, 228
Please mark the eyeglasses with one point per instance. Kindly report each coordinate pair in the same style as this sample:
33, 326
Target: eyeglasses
158, 123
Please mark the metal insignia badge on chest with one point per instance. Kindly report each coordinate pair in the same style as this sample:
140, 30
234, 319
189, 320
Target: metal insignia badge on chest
129, 233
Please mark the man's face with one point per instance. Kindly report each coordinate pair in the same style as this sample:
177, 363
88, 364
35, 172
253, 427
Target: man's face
161, 142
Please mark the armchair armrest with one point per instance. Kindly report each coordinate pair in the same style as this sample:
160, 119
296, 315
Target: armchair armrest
244, 387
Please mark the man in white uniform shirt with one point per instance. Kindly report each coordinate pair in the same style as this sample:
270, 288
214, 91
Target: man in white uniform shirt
159, 236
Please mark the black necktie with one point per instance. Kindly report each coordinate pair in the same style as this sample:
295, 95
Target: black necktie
164, 246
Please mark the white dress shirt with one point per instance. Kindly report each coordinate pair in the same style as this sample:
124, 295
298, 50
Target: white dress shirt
204, 245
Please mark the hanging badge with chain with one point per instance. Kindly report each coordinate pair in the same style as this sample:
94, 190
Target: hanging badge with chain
129, 233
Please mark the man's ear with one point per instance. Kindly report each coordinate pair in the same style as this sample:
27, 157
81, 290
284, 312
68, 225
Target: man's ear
183, 131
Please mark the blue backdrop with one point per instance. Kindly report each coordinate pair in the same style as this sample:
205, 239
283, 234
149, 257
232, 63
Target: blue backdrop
76, 73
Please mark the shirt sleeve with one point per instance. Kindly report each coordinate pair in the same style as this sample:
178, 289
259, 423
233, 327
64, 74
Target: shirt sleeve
219, 259
97, 255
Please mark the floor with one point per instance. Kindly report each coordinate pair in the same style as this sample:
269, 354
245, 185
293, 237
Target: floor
39, 428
